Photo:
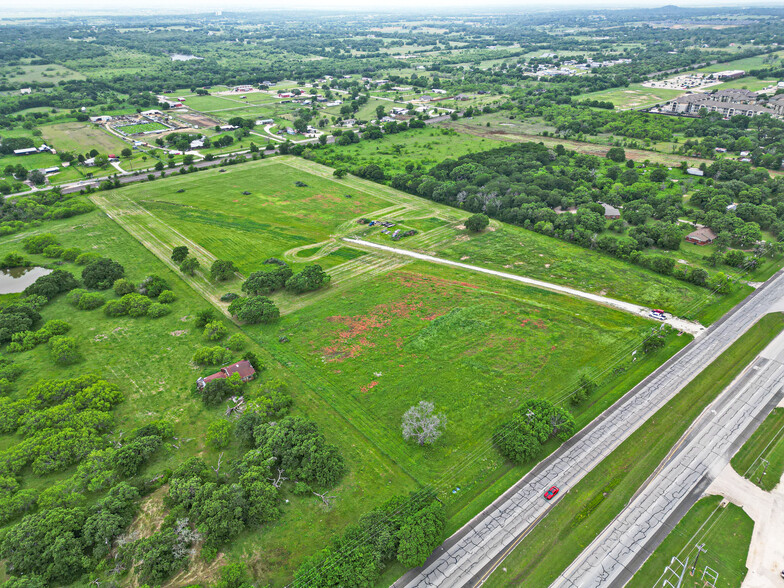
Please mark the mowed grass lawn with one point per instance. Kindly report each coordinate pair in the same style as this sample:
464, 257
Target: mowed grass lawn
726, 534
81, 137
634, 96
765, 445
276, 216
475, 346
150, 361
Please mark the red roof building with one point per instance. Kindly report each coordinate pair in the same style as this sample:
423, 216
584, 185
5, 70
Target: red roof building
243, 368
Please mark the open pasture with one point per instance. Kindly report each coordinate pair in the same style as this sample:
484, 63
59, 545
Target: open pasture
81, 137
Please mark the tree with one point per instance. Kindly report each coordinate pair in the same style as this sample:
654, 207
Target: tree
222, 270
616, 154
152, 286
421, 423
126, 152
219, 434
179, 254
258, 309
37, 177
477, 222
420, 535
215, 331
311, 278
190, 266
267, 281
102, 273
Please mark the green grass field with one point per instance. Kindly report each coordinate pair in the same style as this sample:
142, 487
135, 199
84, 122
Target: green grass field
558, 539
80, 137
761, 459
634, 96
422, 147
141, 128
726, 534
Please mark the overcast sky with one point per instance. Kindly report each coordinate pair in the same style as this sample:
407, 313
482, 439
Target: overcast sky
43, 8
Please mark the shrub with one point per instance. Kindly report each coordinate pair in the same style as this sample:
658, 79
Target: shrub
37, 243
236, 342
116, 308
87, 258
152, 286
102, 274
53, 251
71, 253
229, 296
64, 350
123, 287
219, 434
52, 284
136, 304
14, 260
84, 300
157, 310
215, 331
204, 316
211, 355
477, 222
166, 297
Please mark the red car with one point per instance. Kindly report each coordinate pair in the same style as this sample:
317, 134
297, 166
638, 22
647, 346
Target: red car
551, 492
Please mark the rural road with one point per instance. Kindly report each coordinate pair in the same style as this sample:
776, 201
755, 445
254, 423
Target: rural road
470, 555
680, 324
624, 545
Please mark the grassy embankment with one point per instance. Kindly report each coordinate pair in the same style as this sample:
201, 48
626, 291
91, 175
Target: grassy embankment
761, 459
589, 507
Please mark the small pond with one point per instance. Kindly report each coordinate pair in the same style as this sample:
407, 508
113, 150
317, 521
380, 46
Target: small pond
17, 279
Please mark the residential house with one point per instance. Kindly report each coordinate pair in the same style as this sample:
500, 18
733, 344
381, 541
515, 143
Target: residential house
702, 236
610, 211
243, 368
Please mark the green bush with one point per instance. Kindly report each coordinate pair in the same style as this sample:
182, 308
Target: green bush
37, 243
87, 258
53, 251
123, 287
157, 310
215, 331
116, 308
219, 434
166, 297
236, 342
71, 253
211, 355
64, 350
136, 304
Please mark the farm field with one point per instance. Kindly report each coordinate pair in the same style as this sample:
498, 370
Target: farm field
31, 74
761, 459
726, 533
79, 137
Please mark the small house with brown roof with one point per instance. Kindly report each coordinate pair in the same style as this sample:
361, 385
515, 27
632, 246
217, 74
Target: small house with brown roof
610, 211
702, 236
243, 368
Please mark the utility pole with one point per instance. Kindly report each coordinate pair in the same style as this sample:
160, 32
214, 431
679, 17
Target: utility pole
700, 549
678, 574
764, 471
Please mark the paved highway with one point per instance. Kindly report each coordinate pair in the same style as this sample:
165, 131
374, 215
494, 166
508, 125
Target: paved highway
467, 558
622, 548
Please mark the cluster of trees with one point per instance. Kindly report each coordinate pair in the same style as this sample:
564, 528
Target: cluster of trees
21, 213
279, 276
520, 439
406, 529
523, 184
60, 422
